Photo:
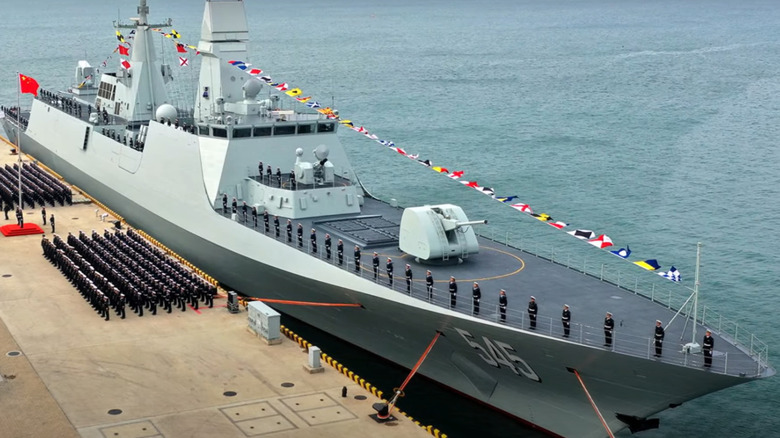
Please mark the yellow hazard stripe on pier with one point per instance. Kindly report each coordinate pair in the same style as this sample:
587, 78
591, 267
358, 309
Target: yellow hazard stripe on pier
357, 379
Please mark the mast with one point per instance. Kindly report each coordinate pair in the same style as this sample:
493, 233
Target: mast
19, 133
696, 292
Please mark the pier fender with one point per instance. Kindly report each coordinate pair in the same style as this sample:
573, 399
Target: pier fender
636, 424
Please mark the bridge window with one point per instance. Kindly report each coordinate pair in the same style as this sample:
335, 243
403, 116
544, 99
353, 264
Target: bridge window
284, 130
242, 132
219, 132
264, 131
326, 127
305, 129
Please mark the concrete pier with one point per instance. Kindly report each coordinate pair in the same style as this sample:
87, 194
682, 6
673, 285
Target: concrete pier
68, 373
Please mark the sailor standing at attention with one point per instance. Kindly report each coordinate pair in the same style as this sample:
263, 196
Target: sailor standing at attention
276, 225
658, 338
327, 245
265, 221
476, 294
289, 231
254, 216
708, 344
235, 205
244, 210
533, 309
313, 239
375, 264
20, 218
224, 203
609, 325
566, 320
389, 270
408, 273
502, 303
357, 258
51, 222
300, 235
453, 292
43, 214
340, 252
429, 284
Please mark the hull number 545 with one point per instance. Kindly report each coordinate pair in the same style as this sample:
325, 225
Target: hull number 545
497, 353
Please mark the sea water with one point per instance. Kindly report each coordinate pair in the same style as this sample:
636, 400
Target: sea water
655, 123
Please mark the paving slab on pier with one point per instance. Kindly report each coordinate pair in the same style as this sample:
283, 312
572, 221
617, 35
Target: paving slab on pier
69, 373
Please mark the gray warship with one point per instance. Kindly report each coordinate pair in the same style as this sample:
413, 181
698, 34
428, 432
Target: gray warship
166, 170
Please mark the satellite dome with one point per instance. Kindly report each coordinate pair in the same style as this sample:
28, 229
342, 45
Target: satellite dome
321, 152
299, 152
166, 111
251, 88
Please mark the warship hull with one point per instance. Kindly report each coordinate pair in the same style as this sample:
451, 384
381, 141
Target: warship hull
164, 191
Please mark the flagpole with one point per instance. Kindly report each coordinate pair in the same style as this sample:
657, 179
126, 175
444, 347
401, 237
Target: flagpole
19, 132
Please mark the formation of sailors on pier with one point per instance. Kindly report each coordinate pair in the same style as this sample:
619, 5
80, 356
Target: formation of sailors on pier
115, 270
38, 187
12, 113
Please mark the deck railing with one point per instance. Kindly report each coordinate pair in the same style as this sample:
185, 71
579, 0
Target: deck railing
752, 364
658, 291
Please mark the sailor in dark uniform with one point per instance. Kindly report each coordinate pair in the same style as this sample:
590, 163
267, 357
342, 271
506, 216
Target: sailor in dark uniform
224, 202
453, 292
268, 172
502, 303
375, 264
340, 252
43, 214
265, 221
235, 205
276, 225
658, 338
408, 274
254, 217
609, 326
51, 222
357, 258
429, 284
533, 309
289, 231
20, 218
120, 306
300, 235
327, 245
566, 320
260, 170
292, 179
389, 270
313, 239
708, 344
245, 210
476, 294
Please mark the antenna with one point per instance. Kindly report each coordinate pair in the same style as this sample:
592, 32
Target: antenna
696, 292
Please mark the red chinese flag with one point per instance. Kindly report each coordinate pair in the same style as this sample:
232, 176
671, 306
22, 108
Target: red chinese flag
28, 84
124, 51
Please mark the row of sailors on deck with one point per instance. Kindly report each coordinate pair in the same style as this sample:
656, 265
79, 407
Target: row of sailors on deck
131, 140
180, 126
12, 113
269, 177
128, 274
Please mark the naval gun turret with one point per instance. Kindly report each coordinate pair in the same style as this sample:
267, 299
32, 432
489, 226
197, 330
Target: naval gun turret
438, 233
320, 172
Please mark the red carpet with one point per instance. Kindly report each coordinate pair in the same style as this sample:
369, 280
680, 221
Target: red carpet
15, 230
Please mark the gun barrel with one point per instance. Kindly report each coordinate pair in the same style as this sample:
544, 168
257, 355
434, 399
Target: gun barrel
467, 223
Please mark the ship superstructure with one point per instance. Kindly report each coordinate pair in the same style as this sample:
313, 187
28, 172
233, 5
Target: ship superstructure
176, 173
